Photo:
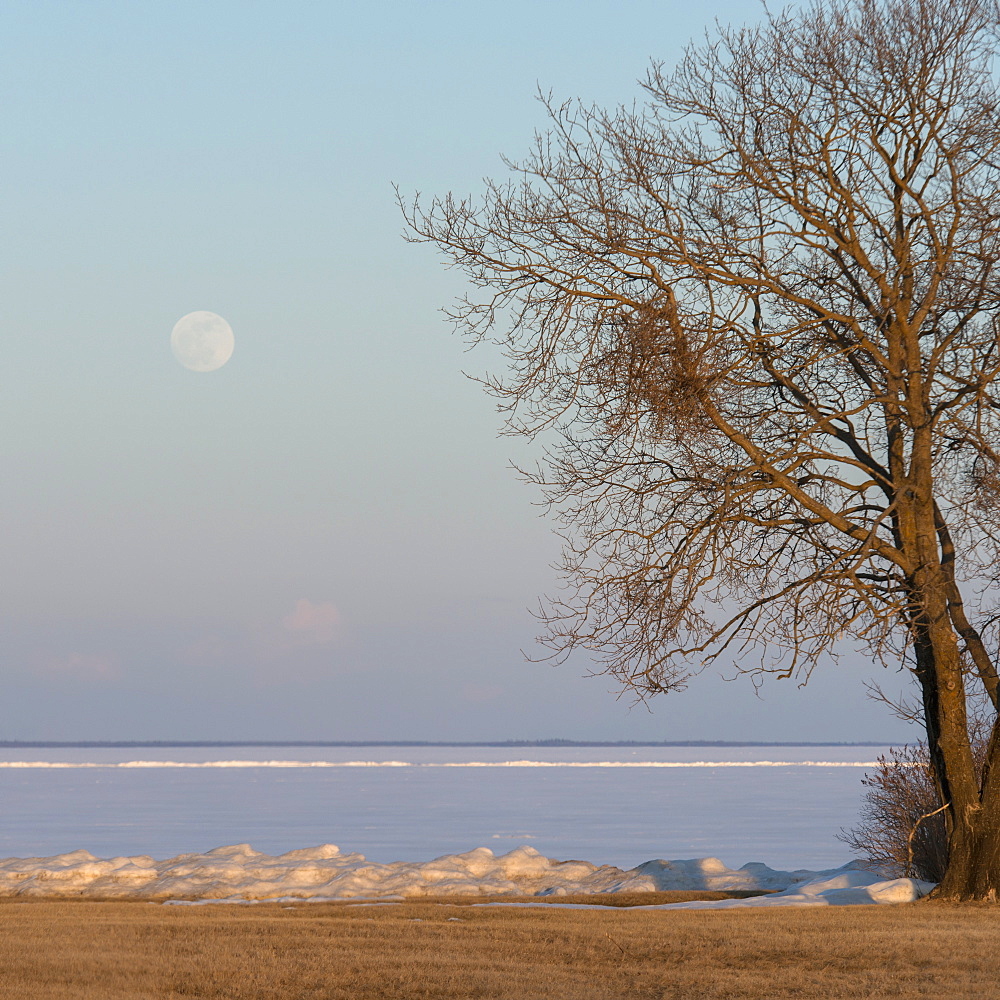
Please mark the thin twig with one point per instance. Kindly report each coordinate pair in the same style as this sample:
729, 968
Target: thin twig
909, 839
617, 945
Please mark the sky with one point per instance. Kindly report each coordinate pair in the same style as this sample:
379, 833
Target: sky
323, 539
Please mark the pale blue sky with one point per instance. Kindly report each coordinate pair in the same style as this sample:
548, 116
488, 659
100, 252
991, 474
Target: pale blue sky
323, 539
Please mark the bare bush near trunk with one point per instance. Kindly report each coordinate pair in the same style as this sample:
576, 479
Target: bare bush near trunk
902, 832
763, 311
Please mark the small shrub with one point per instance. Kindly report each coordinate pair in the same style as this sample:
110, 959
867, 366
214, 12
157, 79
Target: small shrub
902, 831
897, 835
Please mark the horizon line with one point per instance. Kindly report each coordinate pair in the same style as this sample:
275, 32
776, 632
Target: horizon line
125, 744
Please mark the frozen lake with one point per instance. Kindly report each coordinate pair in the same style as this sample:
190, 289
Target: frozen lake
613, 805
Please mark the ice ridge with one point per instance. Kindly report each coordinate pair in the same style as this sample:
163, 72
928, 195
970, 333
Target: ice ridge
238, 872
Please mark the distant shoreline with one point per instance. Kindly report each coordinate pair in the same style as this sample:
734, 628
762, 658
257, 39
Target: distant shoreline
110, 744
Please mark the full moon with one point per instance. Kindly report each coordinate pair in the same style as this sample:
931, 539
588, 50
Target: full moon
202, 341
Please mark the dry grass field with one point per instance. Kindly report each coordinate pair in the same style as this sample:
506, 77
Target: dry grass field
142, 951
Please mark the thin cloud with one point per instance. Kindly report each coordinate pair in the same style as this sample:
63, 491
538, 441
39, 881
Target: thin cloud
314, 624
82, 666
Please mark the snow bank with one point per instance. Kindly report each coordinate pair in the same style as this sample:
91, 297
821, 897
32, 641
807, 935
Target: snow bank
842, 887
240, 873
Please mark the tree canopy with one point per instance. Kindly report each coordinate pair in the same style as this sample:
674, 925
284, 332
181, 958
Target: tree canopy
762, 309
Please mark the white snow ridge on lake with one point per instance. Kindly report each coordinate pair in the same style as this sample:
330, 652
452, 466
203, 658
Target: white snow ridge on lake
64, 764
240, 874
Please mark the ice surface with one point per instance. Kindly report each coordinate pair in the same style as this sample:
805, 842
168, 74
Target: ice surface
622, 805
239, 873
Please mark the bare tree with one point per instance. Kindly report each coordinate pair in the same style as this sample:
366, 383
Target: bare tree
763, 310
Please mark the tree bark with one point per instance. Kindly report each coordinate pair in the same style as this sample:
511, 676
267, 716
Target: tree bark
973, 871
973, 858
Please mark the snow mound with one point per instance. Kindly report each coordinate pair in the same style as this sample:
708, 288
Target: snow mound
841, 887
239, 873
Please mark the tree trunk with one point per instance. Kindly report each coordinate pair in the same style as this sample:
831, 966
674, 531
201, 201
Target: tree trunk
973, 871
973, 809
973, 816
973, 859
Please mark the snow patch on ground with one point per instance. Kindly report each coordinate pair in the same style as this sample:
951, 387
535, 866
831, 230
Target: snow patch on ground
840, 887
837, 888
239, 873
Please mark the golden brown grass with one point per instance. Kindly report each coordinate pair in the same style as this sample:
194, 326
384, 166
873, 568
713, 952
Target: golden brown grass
140, 951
